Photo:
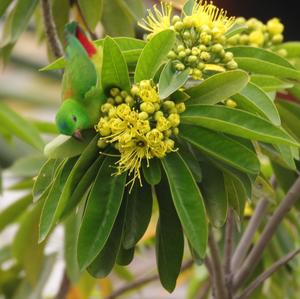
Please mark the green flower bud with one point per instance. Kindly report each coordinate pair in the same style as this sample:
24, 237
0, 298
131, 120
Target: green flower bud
180, 48
205, 56
175, 131
110, 101
277, 39
119, 99
217, 48
175, 19
188, 51
143, 115
168, 105
230, 103
134, 90
180, 67
124, 94
201, 66
228, 56
129, 100
158, 115
195, 51
102, 144
186, 35
182, 54
106, 107
231, 65
147, 107
174, 119
172, 55
181, 106
282, 52
114, 91
178, 26
192, 58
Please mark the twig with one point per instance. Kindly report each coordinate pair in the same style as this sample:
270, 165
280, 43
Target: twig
50, 29
143, 281
266, 274
253, 258
218, 279
246, 240
64, 287
202, 292
228, 251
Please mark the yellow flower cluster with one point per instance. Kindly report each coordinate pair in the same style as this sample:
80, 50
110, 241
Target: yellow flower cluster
139, 125
259, 34
200, 37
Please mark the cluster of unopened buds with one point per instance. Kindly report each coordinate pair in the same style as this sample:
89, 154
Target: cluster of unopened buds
258, 34
139, 125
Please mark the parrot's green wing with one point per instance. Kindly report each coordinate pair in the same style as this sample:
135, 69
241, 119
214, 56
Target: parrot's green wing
80, 73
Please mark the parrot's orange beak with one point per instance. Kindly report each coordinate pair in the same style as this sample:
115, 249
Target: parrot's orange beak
77, 135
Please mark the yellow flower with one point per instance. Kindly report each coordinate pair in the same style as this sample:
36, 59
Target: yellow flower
274, 26
148, 94
256, 38
157, 20
208, 15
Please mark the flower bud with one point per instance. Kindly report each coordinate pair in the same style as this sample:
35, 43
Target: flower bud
172, 55
230, 103
119, 99
102, 144
174, 119
147, 107
180, 67
175, 19
277, 39
143, 115
106, 107
231, 65
274, 26
181, 106
114, 91
134, 90
178, 26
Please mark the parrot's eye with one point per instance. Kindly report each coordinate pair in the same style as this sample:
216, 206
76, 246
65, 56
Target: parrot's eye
74, 118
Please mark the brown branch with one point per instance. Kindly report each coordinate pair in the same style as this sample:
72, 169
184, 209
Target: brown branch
266, 274
246, 240
228, 251
218, 278
256, 253
143, 281
50, 29
64, 287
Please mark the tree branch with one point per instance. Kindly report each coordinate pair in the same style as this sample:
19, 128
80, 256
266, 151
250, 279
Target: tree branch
253, 258
50, 29
143, 281
218, 279
266, 274
228, 251
246, 240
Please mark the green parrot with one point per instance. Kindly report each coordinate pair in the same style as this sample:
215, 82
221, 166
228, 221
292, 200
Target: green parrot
82, 93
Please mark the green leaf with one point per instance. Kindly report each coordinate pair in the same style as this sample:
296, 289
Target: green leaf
13, 211
169, 239
125, 256
138, 215
136, 7
47, 216
221, 147
71, 232
218, 87
261, 54
61, 12
153, 55
91, 11
101, 212
171, 80
152, 171
67, 201
129, 43
214, 194
81, 188
258, 66
117, 19
287, 155
67, 147
25, 245
270, 83
27, 166
114, 69
235, 122
19, 127
188, 7
187, 200
235, 29
254, 99
106, 259
55, 65
4, 5
292, 48
44, 178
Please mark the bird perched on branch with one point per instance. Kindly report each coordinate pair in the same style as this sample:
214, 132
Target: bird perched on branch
82, 93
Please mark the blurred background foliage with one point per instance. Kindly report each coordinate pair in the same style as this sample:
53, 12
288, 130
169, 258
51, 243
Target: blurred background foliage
28, 101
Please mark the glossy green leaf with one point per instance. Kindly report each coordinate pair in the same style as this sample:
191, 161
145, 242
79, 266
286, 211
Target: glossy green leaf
214, 194
67, 147
101, 212
13, 211
27, 166
113, 12
287, 155
235, 29
125, 256
292, 48
270, 83
258, 66
254, 99
235, 122
129, 43
74, 196
221, 147
81, 167
91, 11
188, 7
20, 127
169, 238
71, 231
139, 209
187, 200
152, 172
153, 55
114, 68
44, 178
218, 87
106, 259
261, 54
171, 80
47, 219
136, 7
